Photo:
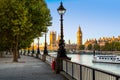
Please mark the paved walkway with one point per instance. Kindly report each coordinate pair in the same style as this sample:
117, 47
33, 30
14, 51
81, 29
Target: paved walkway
28, 68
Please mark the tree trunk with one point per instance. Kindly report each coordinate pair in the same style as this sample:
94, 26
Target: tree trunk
1, 54
18, 55
15, 48
15, 56
11, 52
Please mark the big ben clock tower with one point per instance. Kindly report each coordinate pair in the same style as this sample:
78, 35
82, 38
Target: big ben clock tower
79, 37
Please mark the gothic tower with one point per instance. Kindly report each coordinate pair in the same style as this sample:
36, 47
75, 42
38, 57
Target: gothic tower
52, 38
58, 39
79, 37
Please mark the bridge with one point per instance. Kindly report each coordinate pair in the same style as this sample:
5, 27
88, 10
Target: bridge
32, 68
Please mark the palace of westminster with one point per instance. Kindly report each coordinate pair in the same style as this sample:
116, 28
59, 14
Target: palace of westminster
54, 41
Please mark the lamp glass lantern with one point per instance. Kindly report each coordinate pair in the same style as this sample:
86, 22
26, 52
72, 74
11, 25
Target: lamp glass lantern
61, 10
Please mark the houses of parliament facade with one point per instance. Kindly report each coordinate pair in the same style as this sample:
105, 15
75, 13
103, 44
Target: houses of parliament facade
102, 41
54, 41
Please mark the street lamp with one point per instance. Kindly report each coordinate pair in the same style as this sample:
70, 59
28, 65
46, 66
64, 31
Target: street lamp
38, 50
24, 52
45, 47
45, 50
61, 50
28, 51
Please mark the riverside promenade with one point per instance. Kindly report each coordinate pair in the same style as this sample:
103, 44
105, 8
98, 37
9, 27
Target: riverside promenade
28, 68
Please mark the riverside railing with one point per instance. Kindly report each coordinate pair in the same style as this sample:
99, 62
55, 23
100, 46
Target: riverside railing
50, 59
83, 72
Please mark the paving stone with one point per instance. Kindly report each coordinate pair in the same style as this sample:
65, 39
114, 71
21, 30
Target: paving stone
28, 68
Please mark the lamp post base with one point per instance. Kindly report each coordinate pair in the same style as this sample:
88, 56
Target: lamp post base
37, 55
32, 55
61, 55
43, 57
38, 52
45, 52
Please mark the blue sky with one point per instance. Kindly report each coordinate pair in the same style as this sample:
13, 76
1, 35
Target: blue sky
97, 18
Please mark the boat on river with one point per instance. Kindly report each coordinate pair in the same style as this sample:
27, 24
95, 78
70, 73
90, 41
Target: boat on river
107, 59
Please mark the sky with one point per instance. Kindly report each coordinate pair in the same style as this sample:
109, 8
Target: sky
97, 18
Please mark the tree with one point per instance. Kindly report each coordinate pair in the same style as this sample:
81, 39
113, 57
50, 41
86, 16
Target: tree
96, 47
89, 47
22, 21
82, 47
112, 46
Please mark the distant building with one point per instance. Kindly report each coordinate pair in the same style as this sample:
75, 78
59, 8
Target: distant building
58, 39
70, 46
79, 37
52, 38
54, 41
102, 41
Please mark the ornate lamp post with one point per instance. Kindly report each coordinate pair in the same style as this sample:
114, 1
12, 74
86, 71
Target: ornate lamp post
61, 50
45, 47
45, 50
38, 50
24, 52
28, 51
21, 51
93, 47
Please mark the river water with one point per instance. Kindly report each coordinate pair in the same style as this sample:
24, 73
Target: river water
86, 59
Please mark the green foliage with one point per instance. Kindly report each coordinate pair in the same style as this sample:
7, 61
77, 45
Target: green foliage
21, 21
113, 46
89, 47
96, 47
82, 47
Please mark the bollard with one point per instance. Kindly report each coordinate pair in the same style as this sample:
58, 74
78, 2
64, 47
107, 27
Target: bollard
53, 65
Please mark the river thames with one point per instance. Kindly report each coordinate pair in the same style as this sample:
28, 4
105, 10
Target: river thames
86, 59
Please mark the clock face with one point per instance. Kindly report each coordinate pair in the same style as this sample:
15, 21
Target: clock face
79, 35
